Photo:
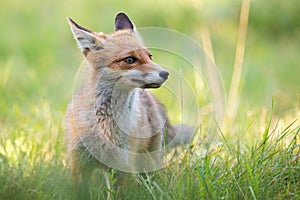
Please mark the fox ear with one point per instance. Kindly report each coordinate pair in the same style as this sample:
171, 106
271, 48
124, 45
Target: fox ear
84, 37
122, 22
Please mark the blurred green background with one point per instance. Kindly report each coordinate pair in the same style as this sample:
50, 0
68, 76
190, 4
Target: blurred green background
39, 58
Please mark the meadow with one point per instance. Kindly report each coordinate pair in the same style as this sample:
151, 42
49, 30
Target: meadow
255, 153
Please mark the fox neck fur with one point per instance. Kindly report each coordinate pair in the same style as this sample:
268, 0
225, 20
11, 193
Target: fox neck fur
116, 103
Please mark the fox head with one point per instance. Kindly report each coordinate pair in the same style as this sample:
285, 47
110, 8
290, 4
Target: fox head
120, 54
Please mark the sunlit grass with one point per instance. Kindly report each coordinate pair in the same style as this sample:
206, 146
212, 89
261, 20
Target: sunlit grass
258, 157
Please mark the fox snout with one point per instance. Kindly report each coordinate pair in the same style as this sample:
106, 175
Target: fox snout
164, 74
146, 76
152, 74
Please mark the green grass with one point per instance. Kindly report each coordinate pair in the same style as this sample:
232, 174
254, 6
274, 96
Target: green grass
33, 164
254, 157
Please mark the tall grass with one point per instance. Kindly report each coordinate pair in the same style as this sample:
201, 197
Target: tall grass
233, 97
33, 165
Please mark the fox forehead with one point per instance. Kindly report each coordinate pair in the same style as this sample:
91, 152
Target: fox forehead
124, 40
142, 54
116, 46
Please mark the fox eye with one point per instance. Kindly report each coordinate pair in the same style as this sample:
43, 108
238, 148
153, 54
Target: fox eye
130, 60
150, 56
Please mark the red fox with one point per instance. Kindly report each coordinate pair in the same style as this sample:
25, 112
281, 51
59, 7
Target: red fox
113, 119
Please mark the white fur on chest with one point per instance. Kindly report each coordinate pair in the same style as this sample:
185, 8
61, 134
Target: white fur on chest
126, 112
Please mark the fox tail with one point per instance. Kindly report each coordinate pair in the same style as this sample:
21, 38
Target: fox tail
179, 134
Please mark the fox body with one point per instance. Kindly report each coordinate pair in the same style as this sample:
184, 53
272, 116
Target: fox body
113, 118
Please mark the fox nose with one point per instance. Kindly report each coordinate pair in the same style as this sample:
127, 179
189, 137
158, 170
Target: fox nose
164, 74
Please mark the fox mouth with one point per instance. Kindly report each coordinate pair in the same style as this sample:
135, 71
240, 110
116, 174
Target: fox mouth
151, 85
147, 85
